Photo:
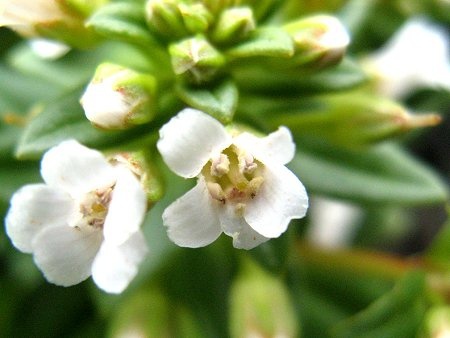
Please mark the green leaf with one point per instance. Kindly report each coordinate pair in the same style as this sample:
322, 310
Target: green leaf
439, 251
123, 21
219, 101
384, 174
396, 314
343, 76
267, 41
64, 119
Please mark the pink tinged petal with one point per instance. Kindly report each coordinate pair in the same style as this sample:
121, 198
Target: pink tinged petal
127, 208
75, 168
189, 140
282, 197
116, 266
65, 254
33, 208
192, 220
235, 226
277, 146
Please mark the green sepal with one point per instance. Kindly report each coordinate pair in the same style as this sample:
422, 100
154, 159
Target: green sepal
264, 41
220, 100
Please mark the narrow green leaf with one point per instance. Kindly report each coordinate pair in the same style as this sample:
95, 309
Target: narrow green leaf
13, 175
396, 314
343, 76
220, 101
384, 174
267, 41
439, 251
63, 119
122, 21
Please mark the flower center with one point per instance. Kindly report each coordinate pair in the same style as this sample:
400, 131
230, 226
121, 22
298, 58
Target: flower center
233, 176
94, 207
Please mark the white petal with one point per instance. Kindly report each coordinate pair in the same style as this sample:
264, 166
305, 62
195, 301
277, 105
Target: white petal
192, 220
75, 168
235, 226
189, 140
127, 208
65, 254
34, 207
417, 55
115, 266
277, 146
48, 49
105, 106
282, 197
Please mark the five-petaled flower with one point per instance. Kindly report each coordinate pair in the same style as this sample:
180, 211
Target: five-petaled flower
243, 187
85, 220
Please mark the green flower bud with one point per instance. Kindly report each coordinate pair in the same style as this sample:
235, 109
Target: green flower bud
150, 313
119, 98
196, 17
319, 40
216, 6
234, 24
196, 60
141, 164
355, 119
165, 19
260, 305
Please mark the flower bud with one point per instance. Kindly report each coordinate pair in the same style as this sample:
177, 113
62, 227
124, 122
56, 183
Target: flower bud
150, 313
260, 305
319, 40
165, 19
196, 17
196, 60
234, 24
118, 98
59, 20
356, 118
140, 164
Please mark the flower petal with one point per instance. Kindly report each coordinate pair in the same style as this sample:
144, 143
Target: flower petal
75, 168
33, 208
277, 146
115, 266
235, 226
65, 254
127, 208
189, 140
282, 197
192, 220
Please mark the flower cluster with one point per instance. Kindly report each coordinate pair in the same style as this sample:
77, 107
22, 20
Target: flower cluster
203, 62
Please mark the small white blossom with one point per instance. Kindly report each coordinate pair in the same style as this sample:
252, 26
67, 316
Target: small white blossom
23, 15
243, 187
85, 220
416, 56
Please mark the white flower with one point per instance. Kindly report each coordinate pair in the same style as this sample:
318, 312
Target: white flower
23, 15
85, 220
416, 56
243, 187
